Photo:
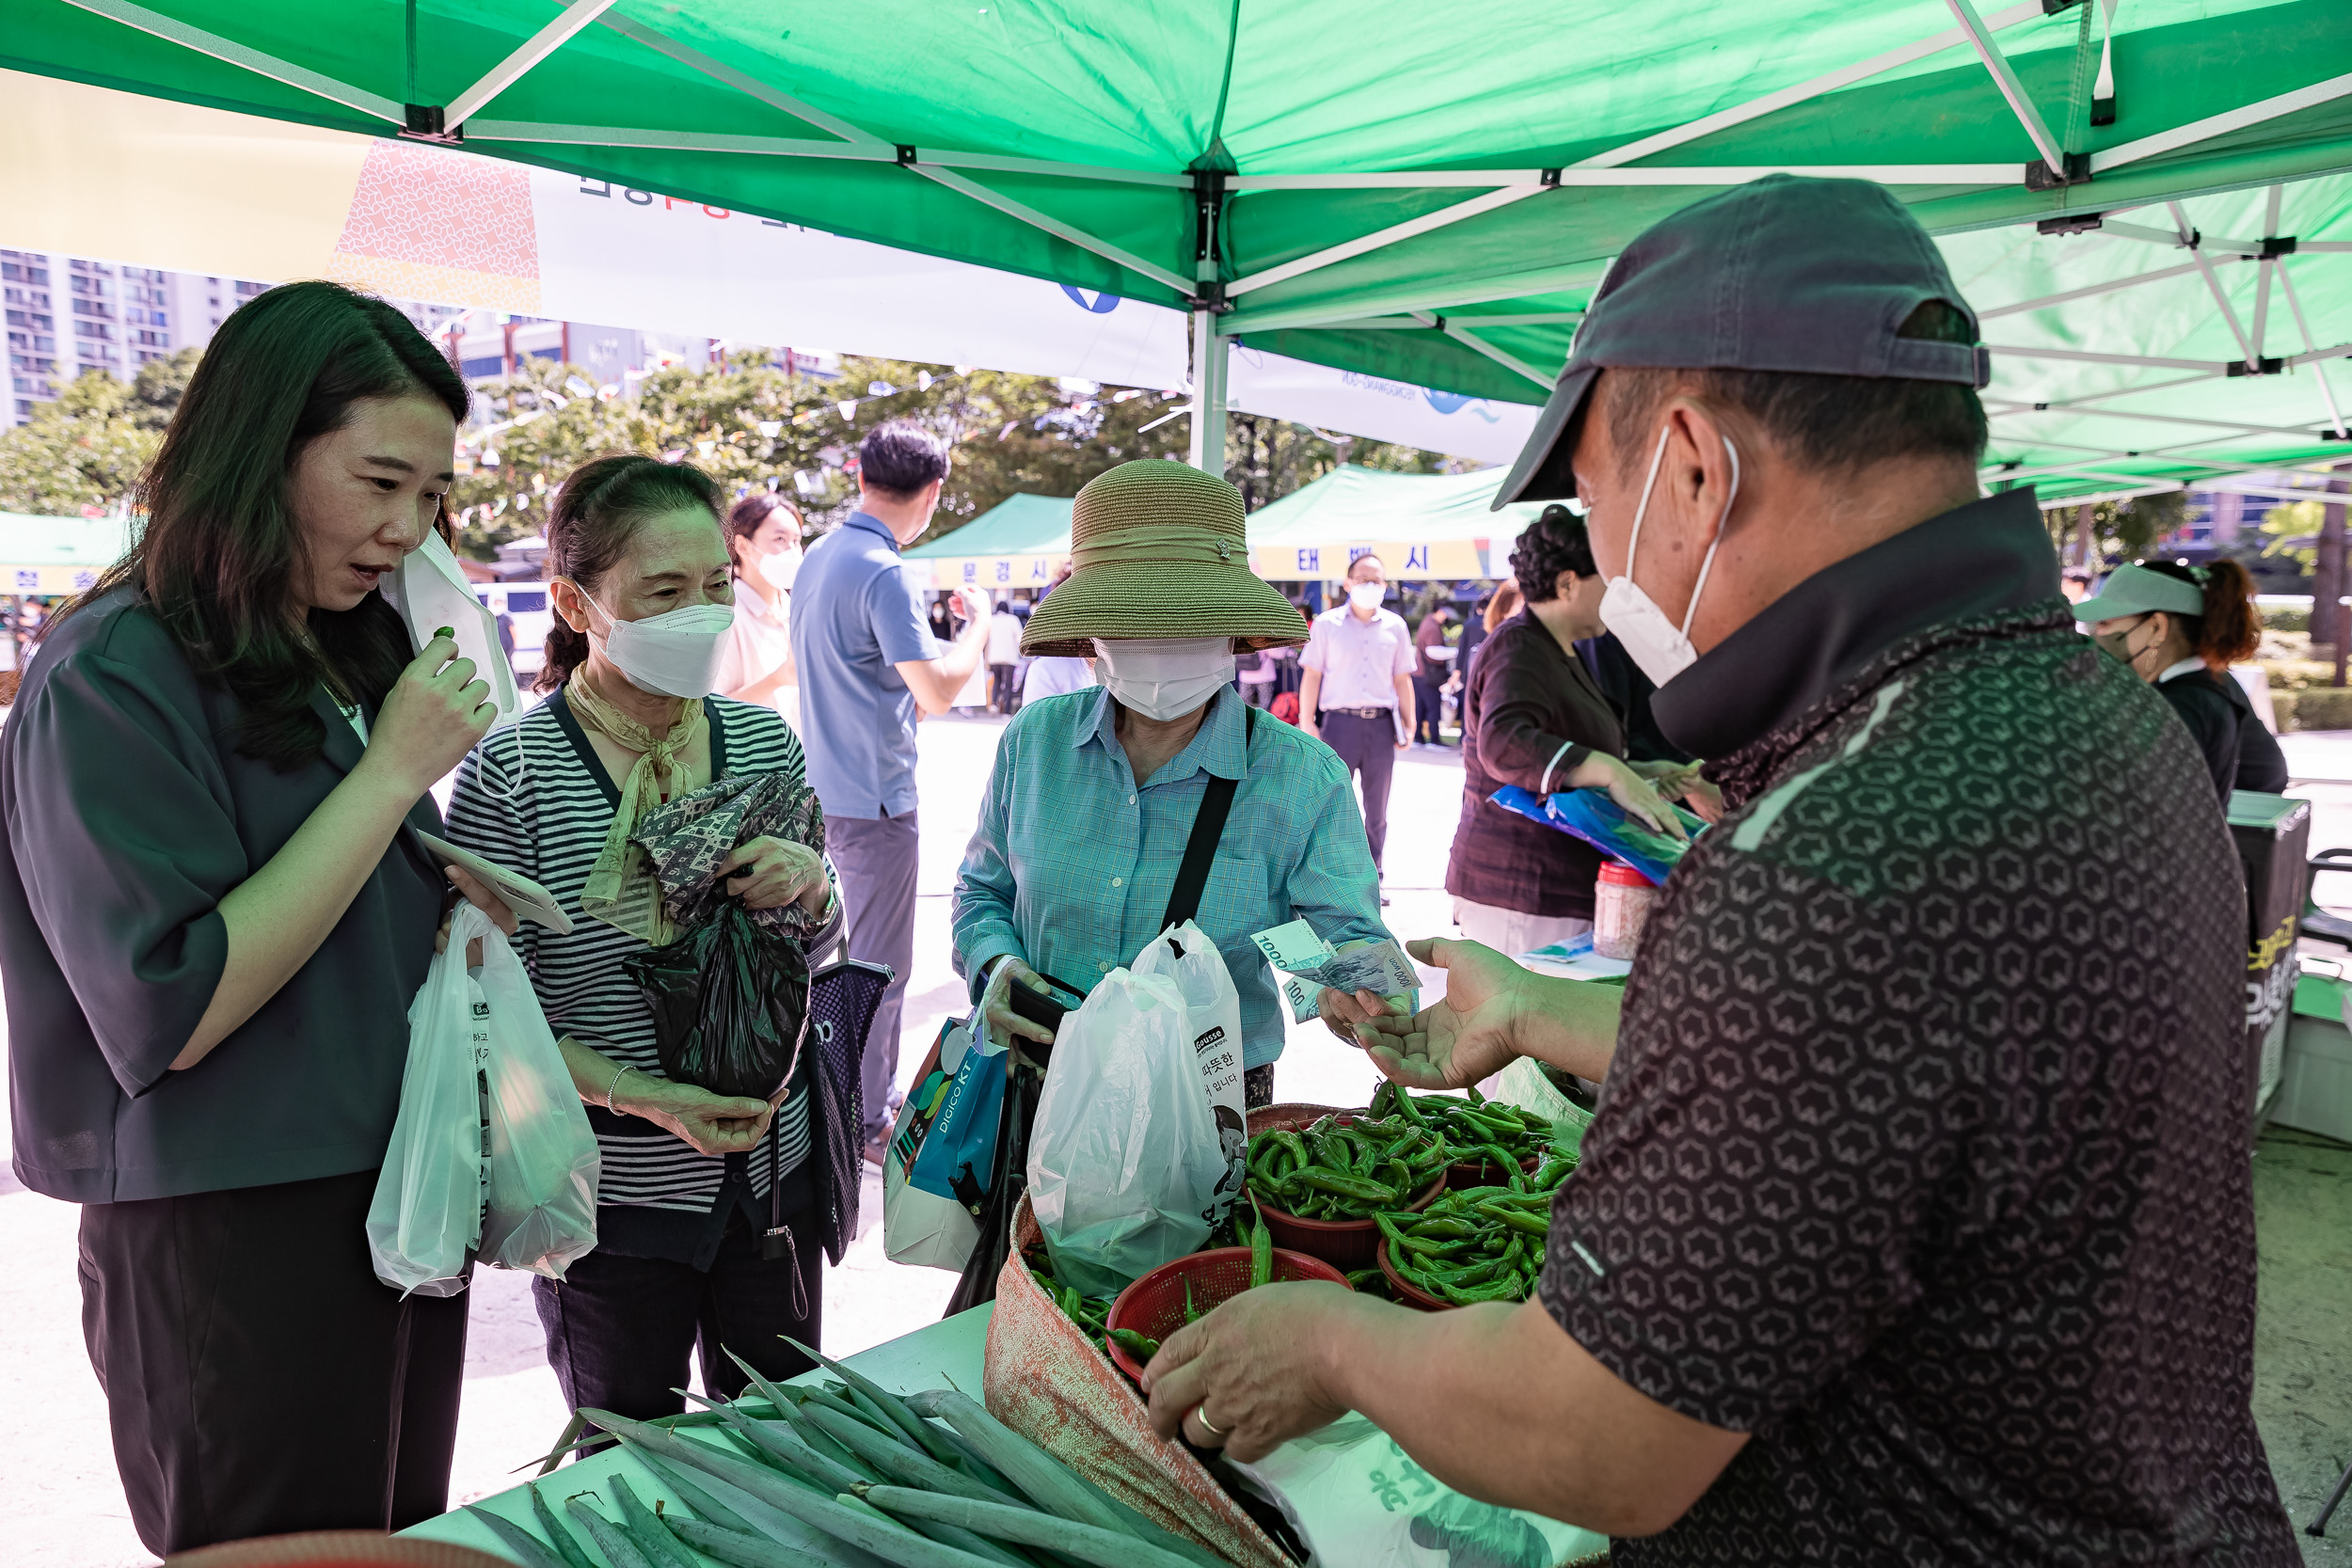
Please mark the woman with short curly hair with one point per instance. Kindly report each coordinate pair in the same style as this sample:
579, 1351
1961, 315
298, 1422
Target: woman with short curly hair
1532, 716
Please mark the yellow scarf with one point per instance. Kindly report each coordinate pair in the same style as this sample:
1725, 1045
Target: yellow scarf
622, 891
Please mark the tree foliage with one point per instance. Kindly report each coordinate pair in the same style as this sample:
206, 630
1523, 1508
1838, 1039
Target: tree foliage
750, 423
2119, 530
88, 448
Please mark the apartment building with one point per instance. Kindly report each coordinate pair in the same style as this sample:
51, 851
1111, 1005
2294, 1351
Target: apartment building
69, 314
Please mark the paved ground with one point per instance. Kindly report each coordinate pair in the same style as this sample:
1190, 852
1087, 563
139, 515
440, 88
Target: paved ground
57, 1485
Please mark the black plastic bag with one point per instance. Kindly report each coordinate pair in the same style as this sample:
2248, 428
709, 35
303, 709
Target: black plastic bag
730, 1004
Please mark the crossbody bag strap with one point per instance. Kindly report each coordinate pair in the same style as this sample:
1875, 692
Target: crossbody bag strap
1208, 826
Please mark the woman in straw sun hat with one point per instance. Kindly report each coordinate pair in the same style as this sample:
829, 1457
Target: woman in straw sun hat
1094, 795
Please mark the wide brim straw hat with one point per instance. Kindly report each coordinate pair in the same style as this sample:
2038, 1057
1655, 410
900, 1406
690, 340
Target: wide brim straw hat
1158, 549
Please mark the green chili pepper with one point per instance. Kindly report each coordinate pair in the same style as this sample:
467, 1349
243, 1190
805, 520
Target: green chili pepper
1133, 1343
1192, 1314
1343, 1185
1261, 1249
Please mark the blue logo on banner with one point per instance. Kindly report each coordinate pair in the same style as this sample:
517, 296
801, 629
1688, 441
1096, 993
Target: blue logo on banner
1101, 305
1453, 403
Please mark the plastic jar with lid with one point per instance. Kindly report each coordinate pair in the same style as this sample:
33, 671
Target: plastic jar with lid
1622, 898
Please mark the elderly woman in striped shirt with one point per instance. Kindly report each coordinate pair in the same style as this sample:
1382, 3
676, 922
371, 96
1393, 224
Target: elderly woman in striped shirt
642, 586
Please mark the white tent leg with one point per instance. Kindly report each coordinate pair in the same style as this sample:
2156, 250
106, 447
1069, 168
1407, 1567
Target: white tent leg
1208, 395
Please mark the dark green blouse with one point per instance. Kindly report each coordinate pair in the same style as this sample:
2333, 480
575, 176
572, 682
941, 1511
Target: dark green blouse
129, 815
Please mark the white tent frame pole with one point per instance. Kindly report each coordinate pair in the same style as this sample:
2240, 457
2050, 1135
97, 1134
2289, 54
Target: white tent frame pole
513, 69
1346, 249
2319, 371
2089, 357
2220, 124
2212, 284
175, 31
1756, 108
676, 141
1536, 179
2002, 407
2262, 284
1508, 361
1055, 226
1707, 125
2020, 102
2097, 495
751, 86
2087, 290
1207, 449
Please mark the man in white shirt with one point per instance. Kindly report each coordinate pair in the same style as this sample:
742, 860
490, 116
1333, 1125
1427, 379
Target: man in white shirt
1004, 658
1356, 689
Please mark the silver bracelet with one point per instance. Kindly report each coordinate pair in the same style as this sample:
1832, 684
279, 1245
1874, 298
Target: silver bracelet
610, 1087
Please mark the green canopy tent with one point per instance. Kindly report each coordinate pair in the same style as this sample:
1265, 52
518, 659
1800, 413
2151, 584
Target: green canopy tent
1421, 526
53, 556
1425, 197
1018, 543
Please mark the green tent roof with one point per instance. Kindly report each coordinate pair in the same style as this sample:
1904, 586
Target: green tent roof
28, 543
1018, 525
1357, 505
1424, 196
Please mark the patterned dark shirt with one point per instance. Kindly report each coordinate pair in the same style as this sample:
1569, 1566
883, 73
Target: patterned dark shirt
1923, 1158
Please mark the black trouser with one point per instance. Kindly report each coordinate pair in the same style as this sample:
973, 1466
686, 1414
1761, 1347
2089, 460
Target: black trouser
1004, 687
1256, 1087
1368, 746
1425, 711
258, 1379
619, 1329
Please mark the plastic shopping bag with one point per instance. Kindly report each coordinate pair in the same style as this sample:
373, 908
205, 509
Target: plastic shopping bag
1599, 821
922, 1227
1186, 955
730, 1004
542, 1195
1355, 1498
1125, 1158
425, 1219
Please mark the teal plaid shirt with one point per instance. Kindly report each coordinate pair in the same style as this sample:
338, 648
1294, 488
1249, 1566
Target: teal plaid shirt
1071, 865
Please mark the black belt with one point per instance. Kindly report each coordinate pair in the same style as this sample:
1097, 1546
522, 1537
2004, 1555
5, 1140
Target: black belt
1360, 712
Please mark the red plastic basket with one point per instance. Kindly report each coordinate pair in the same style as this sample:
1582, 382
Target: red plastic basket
1154, 1306
1345, 1245
1411, 1296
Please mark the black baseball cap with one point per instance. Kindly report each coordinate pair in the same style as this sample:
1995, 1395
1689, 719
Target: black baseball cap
1781, 274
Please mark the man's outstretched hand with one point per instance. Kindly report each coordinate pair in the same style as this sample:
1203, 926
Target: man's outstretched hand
1468, 1034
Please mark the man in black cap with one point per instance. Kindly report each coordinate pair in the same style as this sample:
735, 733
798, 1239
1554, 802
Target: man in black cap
1916, 1223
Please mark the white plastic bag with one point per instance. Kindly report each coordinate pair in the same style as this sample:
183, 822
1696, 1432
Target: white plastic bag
491, 1153
542, 1207
425, 1219
1125, 1156
922, 1228
1186, 955
1358, 1500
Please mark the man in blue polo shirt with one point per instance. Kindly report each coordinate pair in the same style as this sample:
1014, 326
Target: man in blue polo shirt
867, 662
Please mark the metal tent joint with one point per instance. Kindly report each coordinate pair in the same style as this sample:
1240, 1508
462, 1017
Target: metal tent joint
2276, 245
429, 122
2052, 8
2269, 365
2076, 171
906, 155
1550, 178
2070, 223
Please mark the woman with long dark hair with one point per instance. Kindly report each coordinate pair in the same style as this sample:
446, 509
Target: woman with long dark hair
2180, 627
213, 915
697, 1241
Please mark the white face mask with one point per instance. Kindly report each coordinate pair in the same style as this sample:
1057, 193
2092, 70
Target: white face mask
777, 570
1164, 677
1655, 643
1367, 596
675, 653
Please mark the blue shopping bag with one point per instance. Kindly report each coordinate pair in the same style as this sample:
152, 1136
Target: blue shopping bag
1599, 821
958, 1153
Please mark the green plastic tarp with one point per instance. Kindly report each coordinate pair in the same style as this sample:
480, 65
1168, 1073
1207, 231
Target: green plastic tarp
1427, 196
